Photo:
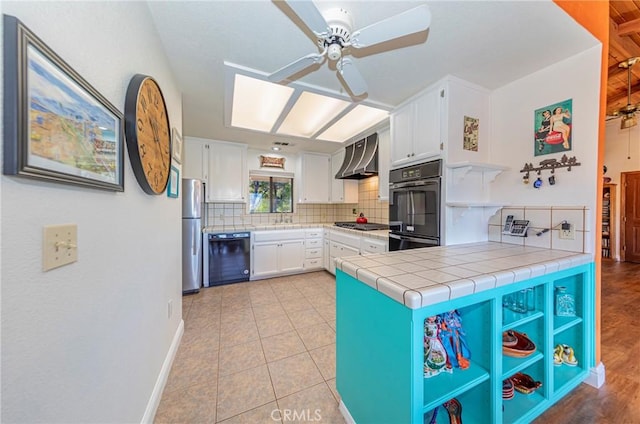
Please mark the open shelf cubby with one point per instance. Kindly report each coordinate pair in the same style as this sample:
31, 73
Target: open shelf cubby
380, 351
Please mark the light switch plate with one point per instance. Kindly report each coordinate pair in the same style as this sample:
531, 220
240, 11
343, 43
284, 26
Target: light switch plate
59, 245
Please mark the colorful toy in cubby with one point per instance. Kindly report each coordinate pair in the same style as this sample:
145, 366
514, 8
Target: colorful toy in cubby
445, 346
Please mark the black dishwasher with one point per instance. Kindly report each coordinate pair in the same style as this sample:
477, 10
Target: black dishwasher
229, 258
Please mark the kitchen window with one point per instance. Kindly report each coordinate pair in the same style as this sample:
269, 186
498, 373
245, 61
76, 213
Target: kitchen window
270, 193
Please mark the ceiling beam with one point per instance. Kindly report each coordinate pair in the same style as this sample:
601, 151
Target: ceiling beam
621, 95
624, 44
628, 27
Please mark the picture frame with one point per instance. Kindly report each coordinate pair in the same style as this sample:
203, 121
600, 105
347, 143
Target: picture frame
57, 127
173, 187
176, 146
553, 128
470, 134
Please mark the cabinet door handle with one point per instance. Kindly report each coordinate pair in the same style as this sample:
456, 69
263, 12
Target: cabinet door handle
413, 154
408, 155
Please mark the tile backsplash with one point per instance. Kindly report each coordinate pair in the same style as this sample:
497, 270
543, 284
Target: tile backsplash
221, 214
375, 210
543, 218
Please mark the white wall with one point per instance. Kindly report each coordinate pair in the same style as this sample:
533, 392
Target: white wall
622, 154
86, 342
512, 144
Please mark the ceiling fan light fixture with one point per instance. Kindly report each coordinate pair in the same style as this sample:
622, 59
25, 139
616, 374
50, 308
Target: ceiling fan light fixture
334, 51
628, 121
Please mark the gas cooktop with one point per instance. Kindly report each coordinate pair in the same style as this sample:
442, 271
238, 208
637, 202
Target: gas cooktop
362, 227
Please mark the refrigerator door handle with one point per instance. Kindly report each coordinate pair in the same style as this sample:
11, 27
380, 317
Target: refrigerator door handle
196, 239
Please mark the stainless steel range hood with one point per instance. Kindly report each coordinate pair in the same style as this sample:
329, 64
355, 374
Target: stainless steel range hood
360, 159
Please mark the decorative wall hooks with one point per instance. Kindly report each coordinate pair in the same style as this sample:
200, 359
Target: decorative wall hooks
550, 164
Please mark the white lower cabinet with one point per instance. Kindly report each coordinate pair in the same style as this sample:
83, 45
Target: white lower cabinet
284, 252
291, 256
342, 244
276, 253
314, 249
325, 252
265, 259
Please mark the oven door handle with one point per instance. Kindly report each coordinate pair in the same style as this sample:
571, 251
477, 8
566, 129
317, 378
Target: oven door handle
412, 206
414, 239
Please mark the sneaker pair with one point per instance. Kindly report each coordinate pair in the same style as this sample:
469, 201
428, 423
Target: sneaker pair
564, 354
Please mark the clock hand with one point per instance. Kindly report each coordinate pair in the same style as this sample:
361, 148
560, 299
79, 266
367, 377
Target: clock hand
154, 129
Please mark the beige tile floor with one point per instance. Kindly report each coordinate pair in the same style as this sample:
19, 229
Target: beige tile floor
255, 352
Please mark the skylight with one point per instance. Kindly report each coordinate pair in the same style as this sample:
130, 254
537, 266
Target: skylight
310, 114
295, 109
257, 104
353, 123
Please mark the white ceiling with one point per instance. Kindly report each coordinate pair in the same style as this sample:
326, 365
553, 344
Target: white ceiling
485, 42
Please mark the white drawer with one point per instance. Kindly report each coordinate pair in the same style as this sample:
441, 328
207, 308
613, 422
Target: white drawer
313, 233
315, 263
277, 235
349, 240
313, 243
313, 253
339, 250
368, 245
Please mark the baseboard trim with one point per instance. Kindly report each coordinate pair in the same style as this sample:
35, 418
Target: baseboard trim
345, 413
596, 376
156, 395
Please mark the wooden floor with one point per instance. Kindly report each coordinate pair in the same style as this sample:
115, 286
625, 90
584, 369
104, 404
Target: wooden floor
618, 400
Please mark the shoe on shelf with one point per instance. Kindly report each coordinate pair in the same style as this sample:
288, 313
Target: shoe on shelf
557, 355
454, 409
568, 356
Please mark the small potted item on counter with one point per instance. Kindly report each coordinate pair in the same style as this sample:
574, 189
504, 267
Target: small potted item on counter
361, 219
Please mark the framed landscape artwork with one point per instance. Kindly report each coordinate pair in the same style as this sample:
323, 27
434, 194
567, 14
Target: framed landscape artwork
56, 125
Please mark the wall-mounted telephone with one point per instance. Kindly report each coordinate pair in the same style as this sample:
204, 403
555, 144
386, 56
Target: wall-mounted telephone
515, 227
507, 224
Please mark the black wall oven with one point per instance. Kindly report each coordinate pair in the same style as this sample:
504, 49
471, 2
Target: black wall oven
414, 206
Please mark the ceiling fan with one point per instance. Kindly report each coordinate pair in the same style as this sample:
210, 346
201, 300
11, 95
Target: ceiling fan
628, 112
335, 35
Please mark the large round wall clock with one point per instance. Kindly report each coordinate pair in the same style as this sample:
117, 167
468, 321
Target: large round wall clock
147, 133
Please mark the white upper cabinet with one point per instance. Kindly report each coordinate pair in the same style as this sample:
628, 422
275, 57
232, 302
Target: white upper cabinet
314, 178
221, 165
342, 191
415, 129
195, 161
383, 164
227, 179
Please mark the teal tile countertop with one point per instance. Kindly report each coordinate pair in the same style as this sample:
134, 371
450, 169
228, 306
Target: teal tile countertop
422, 277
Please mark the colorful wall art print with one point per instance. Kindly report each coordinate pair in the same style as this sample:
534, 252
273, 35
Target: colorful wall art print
470, 137
553, 128
57, 126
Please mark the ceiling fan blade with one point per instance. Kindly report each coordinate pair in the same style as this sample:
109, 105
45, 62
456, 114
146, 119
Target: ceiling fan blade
311, 16
409, 22
351, 77
295, 67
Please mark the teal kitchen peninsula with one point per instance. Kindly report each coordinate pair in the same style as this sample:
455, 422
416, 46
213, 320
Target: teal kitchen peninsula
382, 303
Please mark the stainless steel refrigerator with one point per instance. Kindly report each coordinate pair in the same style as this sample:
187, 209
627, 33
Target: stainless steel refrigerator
192, 213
